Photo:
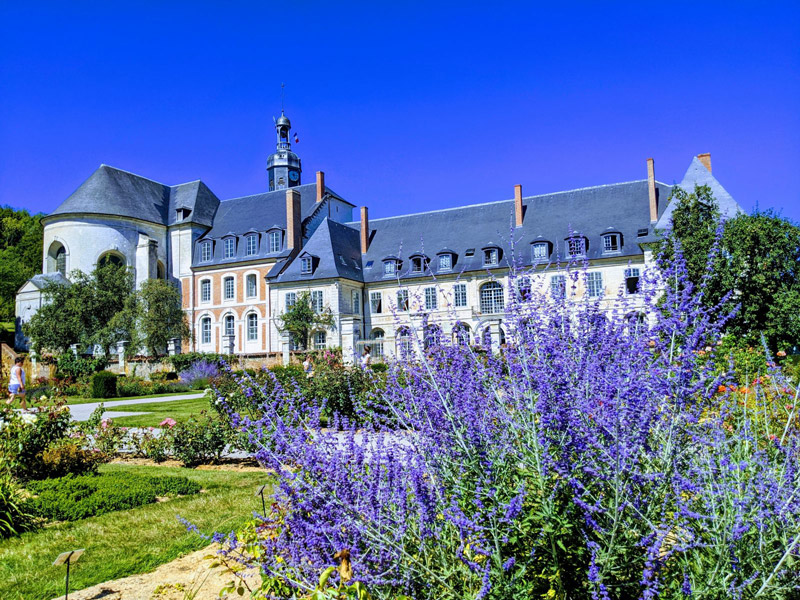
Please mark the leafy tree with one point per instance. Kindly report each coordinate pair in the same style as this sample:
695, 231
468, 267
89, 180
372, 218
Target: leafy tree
758, 261
61, 321
21, 237
161, 315
300, 320
113, 293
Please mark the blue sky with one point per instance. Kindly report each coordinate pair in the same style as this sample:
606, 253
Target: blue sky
405, 106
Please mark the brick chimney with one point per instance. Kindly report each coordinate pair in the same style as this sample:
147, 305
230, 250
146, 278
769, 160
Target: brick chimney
652, 191
364, 230
706, 160
518, 205
320, 185
294, 234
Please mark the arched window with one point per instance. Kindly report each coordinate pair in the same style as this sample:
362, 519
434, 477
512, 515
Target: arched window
252, 327
161, 273
111, 258
377, 336
432, 336
492, 298
405, 345
461, 334
205, 330
230, 325
57, 259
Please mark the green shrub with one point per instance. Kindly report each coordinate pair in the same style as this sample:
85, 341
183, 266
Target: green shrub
72, 498
70, 366
14, 514
25, 437
181, 362
147, 444
163, 376
199, 440
70, 459
379, 367
104, 385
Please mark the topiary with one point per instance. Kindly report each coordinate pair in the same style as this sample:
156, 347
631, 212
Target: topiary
104, 385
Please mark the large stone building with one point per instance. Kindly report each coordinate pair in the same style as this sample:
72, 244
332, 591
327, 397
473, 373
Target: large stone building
241, 262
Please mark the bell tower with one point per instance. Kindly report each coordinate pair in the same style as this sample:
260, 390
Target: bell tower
283, 167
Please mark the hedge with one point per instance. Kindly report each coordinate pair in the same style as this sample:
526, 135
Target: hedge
104, 385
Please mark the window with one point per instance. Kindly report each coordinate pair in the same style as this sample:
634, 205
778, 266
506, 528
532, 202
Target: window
430, 298
377, 336
229, 288
461, 334
594, 285
642, 232
632, 280
182, 213
576, 247
491, 256
320, 340
539, 251
611, 242
205, 290
417, 264
230, 247
205, 330
252, 327
274, 241
523, 289
389, 268
404, 342
402, 300
205, 252
492, 298
432, 336
252, 288
252, 245
460, 295
316, 301
375, 302
445, 262
291, 298
61, 261
306, 265
356, 295
558, 286
229, 325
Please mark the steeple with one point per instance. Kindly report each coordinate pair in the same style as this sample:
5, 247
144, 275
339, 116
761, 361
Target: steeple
283, 166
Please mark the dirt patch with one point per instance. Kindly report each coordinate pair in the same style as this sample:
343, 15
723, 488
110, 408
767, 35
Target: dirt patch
228, 464
176, 580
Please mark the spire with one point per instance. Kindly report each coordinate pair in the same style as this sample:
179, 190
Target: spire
283, 166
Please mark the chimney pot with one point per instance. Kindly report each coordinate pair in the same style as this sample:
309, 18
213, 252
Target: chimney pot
364, 230
652, 191
518, 205
706, 160
320, 185
294, 235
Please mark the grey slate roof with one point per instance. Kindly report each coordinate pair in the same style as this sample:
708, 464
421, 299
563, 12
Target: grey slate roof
335, 249
111, 191
590, 212
42, 280
698, 174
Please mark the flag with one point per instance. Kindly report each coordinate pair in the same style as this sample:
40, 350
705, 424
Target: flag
296, 139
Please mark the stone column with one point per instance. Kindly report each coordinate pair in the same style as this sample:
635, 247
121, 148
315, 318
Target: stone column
285, 347
146, 259
174, 346
122, 346
74, 348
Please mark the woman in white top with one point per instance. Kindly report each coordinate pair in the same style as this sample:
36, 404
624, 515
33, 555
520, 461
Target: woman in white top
308, 367
365, 358
16, 383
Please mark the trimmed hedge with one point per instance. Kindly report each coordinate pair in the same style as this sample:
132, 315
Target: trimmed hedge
104, 385
73, 498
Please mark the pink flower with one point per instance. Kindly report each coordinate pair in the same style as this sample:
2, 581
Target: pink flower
168, 422
104, 424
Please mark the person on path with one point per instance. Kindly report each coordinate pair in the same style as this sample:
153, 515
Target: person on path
366, 357
16, 383
308, 367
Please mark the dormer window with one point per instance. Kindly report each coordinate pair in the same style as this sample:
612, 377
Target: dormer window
275, 241
419, 263
229, 247
576, 246
390, 267
205, 252
252, 245
540, 251
445, 262
306, 265
491, 257
182, 213
612, 242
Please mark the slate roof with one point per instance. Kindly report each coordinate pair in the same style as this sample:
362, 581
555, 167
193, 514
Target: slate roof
335, 250
698, 174
112, 191
590, 212
42, 280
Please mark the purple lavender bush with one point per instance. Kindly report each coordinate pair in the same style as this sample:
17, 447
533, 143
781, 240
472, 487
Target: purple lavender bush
599, 455
200, 374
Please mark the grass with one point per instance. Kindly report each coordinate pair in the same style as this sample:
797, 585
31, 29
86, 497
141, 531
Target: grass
74, 400
7, 330
128, 542
180, 410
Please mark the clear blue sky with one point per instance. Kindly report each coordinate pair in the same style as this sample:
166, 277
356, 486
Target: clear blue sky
405, 106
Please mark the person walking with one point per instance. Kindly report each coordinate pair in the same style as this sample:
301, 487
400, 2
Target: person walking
308, 367
366, 357
16, 383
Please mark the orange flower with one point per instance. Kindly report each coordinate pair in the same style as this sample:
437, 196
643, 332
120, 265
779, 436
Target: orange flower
781, 353
722, 389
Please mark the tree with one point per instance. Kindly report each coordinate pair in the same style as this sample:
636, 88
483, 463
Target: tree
758, 262
161, 315
301, 319
21, 237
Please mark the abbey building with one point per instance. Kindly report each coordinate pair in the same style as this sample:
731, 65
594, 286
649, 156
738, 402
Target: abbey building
239, 263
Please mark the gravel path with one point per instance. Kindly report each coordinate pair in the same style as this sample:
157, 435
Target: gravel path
82, 412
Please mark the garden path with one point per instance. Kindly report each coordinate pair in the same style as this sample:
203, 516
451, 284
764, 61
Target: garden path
82, 412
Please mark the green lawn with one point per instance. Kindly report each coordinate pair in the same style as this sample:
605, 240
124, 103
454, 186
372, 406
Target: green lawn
127, 542
180, 410
75, 400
